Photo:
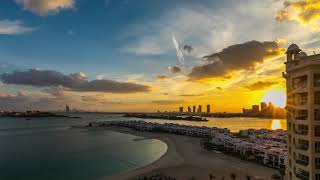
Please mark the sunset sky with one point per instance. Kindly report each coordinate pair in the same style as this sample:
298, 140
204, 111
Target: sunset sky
145, 55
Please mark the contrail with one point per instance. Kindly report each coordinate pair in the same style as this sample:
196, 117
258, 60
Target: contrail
179, 52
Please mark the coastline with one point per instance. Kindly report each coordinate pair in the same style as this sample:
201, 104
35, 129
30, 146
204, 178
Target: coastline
185, 158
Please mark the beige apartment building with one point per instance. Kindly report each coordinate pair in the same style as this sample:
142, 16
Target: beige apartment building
303, 114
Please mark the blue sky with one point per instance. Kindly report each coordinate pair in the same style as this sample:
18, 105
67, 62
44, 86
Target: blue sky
88, 37
132, 42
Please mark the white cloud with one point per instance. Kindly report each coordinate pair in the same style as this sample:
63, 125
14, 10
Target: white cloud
209, 30
11, 27
44, 7
146, 46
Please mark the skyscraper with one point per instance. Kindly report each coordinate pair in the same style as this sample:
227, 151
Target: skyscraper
189, 109
303, 117
263, 106
67, 108
200, 109
208, 108
255, 109
181, 109
194, 109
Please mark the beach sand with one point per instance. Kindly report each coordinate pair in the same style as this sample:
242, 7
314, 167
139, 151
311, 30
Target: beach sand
185, 158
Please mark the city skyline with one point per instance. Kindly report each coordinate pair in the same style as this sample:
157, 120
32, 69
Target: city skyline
144, 56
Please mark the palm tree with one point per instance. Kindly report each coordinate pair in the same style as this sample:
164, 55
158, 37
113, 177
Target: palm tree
233, 176
211, 176
248, 177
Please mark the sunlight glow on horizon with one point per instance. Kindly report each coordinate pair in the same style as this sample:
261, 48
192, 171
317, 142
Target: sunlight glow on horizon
277, 97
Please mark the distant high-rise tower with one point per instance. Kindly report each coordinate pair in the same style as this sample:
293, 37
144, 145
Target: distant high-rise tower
255, 109
181, 109
194, 109
208, 108
189, 109
200, 109
67, 108
303, 114
263, 105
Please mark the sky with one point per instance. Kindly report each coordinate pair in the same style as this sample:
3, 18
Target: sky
144, 56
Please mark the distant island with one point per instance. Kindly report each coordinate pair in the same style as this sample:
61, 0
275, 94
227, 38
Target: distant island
31, 114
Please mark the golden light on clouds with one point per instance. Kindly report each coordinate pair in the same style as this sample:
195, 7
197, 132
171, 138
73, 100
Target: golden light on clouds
306, 12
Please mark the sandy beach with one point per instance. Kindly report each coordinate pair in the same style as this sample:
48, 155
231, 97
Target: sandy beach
185, 159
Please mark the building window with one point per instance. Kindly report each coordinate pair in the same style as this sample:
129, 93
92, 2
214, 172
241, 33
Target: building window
317, 146
317, 97
316, 80
317, 161
303, 129
317, 131
300, 98
317, 114
300, 82
302, 115
302, 144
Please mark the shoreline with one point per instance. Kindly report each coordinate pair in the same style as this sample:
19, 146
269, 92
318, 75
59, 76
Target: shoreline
185, 158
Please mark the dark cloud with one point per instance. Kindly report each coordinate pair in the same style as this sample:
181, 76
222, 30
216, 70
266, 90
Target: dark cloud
174, 69
162, 77
72, 82
188, 48
260, 85
235, 57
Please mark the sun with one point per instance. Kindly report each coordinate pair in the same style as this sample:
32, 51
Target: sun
277, 97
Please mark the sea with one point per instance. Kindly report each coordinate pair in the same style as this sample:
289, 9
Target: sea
47, 148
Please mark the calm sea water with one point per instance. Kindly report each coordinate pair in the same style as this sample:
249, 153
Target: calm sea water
45, 149
48, 149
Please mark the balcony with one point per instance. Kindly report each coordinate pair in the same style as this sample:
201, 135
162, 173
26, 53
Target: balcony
303, 176
301, 117
301, 132
302, 147
302, 162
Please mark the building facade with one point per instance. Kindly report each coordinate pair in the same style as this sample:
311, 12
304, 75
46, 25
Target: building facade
208, 108
303, 117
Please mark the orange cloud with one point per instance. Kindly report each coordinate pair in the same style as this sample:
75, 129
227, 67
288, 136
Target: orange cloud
260, 85
44, 7
305, 12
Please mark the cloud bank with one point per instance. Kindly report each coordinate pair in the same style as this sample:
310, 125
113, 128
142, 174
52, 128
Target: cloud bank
235, 57
72, 82
44, 7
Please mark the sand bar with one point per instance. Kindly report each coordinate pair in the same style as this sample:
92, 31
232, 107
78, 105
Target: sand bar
185, 158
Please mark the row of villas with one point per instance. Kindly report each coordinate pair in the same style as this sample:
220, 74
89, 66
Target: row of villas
263, 146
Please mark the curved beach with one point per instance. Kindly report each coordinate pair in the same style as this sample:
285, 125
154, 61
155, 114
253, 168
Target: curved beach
185, 158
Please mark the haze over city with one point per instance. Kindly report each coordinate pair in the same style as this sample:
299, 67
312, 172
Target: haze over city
125, 55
